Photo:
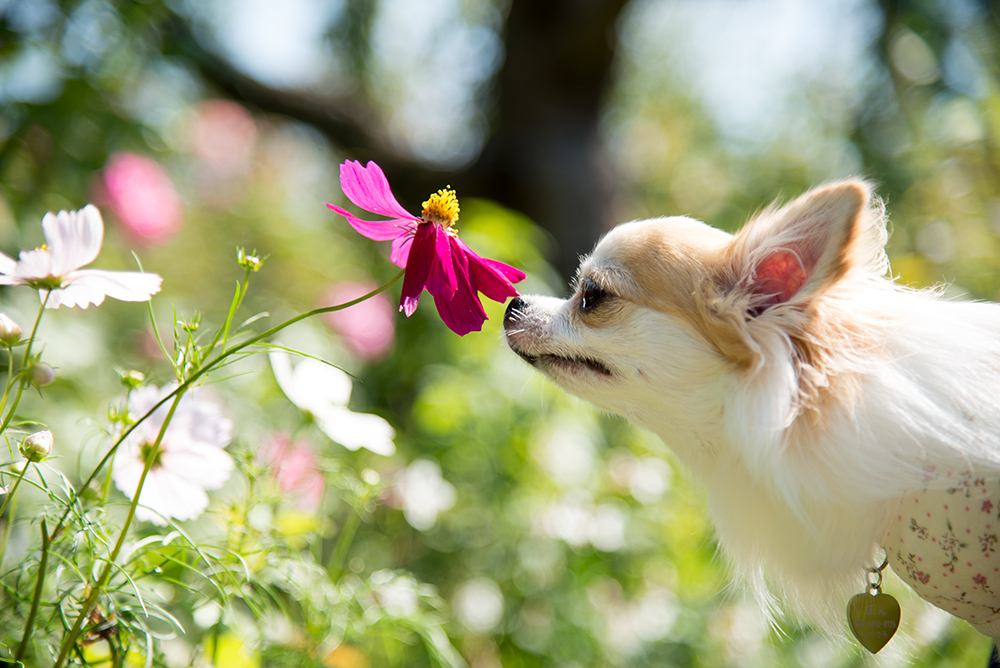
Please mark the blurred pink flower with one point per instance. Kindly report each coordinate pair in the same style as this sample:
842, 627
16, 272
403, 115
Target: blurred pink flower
295, 470
428, 248
223, 135
367, 328
143, 197
191, 457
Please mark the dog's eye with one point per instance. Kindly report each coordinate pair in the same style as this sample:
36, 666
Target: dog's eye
591, 295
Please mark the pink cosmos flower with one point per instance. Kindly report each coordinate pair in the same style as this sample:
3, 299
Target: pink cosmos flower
428, 248
222, 135
143, 197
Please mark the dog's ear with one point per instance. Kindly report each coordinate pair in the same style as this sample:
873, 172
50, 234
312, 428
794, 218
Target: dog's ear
791, 254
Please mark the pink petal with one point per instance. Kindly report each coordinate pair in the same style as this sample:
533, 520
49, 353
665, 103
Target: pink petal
512, 274
486, 278
379, 230
430, 266
463, 313
401, 249
491, 283
418, 267
508, 272
368, 188
441, 280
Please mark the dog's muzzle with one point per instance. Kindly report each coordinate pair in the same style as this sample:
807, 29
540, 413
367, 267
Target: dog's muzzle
515, 309
515, 320
511, 321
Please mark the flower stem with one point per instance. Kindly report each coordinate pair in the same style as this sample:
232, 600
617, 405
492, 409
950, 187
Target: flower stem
98, 588
343, 545
241, 292
10, 377
8, 530
37, 599
10, 494
24, 365
197, 374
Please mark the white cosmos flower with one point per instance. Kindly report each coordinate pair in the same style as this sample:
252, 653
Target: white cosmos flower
72, 240
191, 460
324, 391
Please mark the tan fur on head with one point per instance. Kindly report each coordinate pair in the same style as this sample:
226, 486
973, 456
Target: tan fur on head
803, 388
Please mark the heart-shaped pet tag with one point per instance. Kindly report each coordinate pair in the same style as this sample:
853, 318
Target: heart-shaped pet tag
874, 619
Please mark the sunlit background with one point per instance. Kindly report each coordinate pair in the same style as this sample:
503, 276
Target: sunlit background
514, 526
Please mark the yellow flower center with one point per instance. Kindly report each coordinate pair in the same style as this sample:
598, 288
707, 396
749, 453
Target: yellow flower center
441, 208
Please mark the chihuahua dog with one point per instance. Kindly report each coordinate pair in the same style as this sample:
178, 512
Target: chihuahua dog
834, 418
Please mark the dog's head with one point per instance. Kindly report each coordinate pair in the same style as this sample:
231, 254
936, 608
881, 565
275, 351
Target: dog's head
668, 314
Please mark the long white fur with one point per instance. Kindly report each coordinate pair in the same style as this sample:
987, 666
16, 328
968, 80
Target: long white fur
803, 459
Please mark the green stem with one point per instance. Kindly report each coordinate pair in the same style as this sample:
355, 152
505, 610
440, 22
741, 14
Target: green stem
24, 365
343, 545
7, 532
221, 357
37, 599
98, 588
124, 420
70, 639
10, 377
9, 500
10, 494
244, 519
241, 292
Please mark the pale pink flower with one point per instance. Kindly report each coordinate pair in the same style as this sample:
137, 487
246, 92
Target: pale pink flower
222, 135
72, 240
368, 328
295, 470
143, 197
191, 457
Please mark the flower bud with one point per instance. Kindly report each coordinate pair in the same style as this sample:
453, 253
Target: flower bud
191, 326
10, 331
118, 413
131, 378
41, 374
37, 446
250, 261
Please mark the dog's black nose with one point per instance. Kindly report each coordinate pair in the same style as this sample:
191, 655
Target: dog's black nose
515, 309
